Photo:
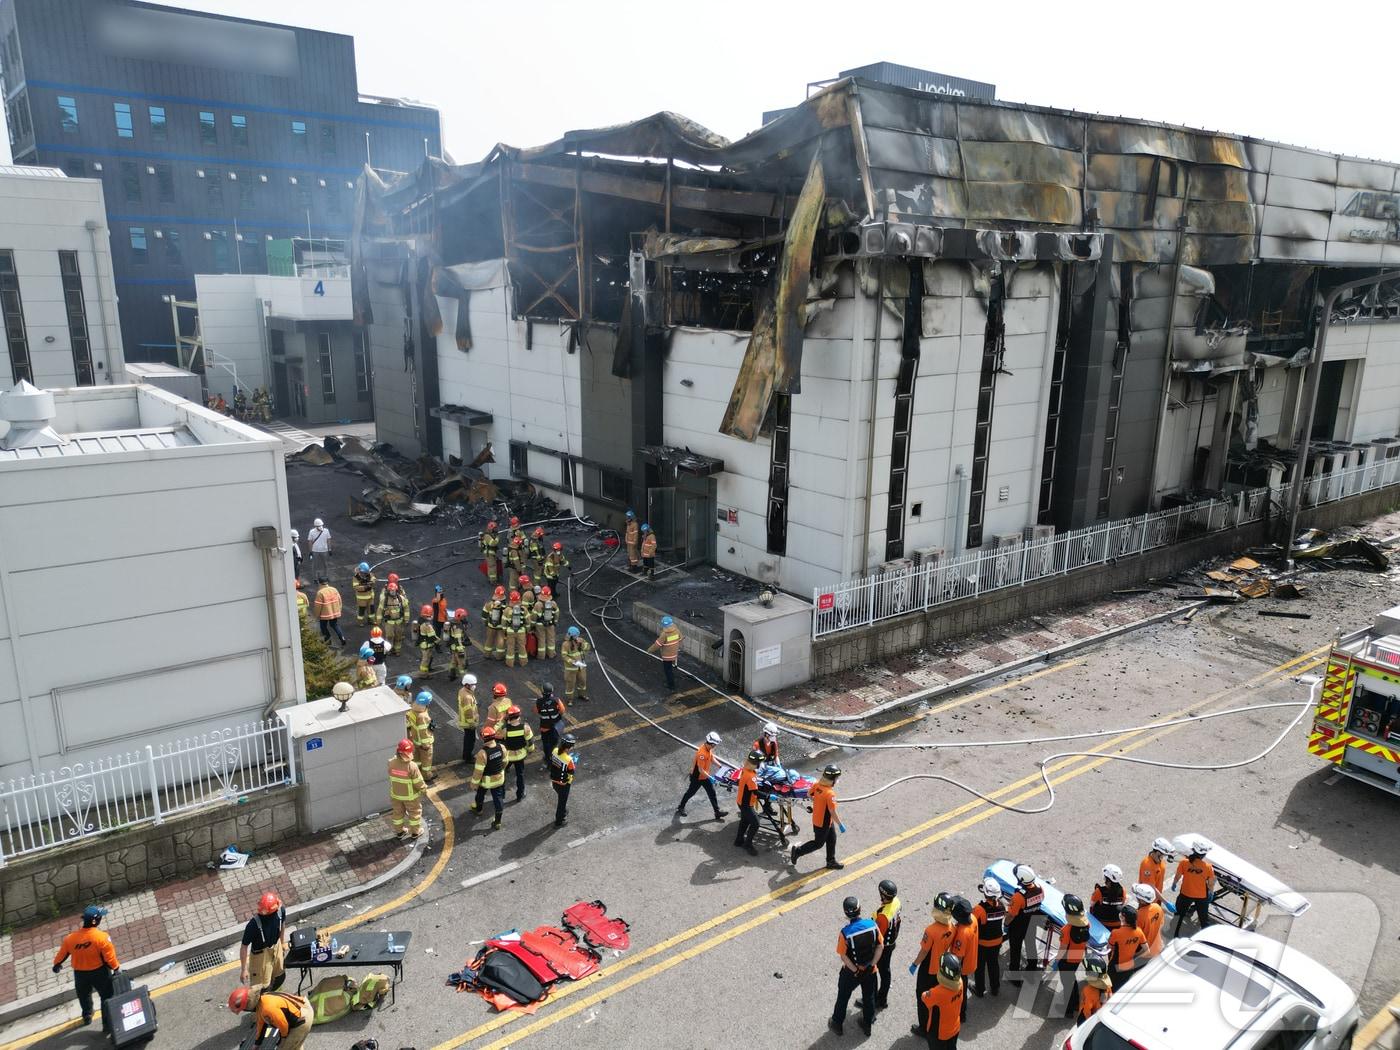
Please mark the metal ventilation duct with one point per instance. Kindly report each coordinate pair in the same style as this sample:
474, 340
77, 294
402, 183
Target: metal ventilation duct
29, 412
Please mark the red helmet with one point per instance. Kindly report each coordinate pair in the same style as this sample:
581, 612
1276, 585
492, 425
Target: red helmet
514, 522
298, 582
499, 592
516, 541
491, 526
558, 546
427, 610
405, 746
460, 614
375, 632
515, 596
512, 711
393, 577
524, 580
269, 903
499, 689
539, 532
488, 733
545, 592
239, 999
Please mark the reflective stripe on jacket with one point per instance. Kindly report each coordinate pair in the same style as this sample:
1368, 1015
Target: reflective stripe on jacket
328, 603
467, 711
393, 605
418, 730
518, 741
490, 771
669, 643
405, 781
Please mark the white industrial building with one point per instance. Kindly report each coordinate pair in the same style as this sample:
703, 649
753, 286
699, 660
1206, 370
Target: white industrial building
59, 301
145, 588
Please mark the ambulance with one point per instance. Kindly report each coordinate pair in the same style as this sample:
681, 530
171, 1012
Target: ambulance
1356, 725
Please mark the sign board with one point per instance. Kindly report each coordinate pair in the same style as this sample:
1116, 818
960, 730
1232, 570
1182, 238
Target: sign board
771, 656
727, 516
826, 601
133, 1014
315, 743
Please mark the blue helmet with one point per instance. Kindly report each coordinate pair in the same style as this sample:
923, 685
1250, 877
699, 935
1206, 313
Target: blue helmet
573, 632
646, 527
92, 911
631, 513
366, 651
666, 621
362, 567
438, 588
403, 682
425, 698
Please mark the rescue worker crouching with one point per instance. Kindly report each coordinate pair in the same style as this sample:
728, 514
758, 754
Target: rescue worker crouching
562, 766
990, 914
392, 612
468, 715
518, 739
700, 768
859, 947
94, 961
571, 653
941, 1004
362, 586
264, 947
420, 731
824, 819
425, 636
290, 1015
458, 643
406, 787
490, 775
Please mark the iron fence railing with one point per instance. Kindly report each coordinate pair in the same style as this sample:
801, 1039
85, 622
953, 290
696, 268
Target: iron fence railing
142, 787
883, 595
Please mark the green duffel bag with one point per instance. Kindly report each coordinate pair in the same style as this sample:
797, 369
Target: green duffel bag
332, 998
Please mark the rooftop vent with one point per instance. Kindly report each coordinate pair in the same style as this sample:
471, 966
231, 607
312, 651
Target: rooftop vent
29, 411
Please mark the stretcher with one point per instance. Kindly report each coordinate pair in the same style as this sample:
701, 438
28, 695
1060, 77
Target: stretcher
1241, 889
1044, 933
778, 788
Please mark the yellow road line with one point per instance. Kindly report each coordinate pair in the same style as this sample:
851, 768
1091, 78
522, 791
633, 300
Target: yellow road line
448, 839
671, 717
1288, 667
1377, 1025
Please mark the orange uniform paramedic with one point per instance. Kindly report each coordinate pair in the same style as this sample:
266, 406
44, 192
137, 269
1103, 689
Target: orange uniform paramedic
1196, 877
1153, 869
937, 939
700, 776
94, 960
1095, 989
1150, 916
824, 820
941, 1006
1125, 944
748, 799
290, 1015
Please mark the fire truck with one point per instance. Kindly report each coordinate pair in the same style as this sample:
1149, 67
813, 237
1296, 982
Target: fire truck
1356, 725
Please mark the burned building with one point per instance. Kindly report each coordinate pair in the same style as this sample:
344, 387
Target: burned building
886, 324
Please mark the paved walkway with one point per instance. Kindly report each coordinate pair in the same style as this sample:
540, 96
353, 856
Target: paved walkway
185, 910
862, 689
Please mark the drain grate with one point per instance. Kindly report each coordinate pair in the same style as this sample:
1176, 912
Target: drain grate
204, 961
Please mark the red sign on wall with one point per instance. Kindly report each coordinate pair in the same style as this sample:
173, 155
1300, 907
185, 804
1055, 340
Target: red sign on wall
826, 601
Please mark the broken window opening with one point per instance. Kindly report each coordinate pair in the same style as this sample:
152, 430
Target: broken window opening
993, 351
1115, 390
713, 299
1054, 402
904, 412
778, 473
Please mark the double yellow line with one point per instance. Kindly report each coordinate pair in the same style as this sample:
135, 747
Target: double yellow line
947, 824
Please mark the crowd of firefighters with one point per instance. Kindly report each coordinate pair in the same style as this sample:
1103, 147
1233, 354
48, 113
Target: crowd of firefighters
255, 409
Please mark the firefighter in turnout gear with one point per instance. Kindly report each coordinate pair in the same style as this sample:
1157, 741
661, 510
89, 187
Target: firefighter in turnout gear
648, 551
561, 766
571, 653
493, 616
516, 622
303, 603
528, 596
490, 542
392, 614
990, 914
457, 643
553, 563
632, 537
517, 531
406, 789
425, 636
490, 775
518, 739
859, 947
546, 620
403, 687
1023, 909
668, 648
515, 561
468, 715
501, 703
420, 731
534, 550
551, 713
362, 586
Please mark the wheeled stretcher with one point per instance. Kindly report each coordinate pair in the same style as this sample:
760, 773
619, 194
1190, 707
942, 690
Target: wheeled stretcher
778, 788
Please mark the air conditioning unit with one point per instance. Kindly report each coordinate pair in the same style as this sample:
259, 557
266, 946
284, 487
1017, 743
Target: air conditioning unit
1006, 245
925, 557
1008, 539
1038, 533
899, 565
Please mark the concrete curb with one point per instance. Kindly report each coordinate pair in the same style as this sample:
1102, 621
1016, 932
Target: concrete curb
1044, 656
220, 938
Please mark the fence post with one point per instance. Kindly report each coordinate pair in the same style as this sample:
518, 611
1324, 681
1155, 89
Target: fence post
155, 788
291, 752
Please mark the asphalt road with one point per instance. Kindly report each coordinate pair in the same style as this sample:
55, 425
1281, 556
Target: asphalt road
727, 948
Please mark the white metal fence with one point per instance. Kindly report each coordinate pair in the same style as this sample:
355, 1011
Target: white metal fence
142, 787
881, 596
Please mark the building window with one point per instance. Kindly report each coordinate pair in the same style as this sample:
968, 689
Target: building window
67, 114
519, 461
327, 139
13, 310
323, 357
251, 254
335, 200
137, 235
304, 192
131, 182
77, 317
361, 366
218, 240
245, 191
75, 168
778, 464
157, 123
173, 253
240, 129
208, 130
121, 113
616, 486
165, 184
12, 53
214, 189
299, 137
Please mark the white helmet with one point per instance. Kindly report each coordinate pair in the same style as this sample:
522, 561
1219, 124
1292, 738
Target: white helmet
1024, 873
1163, 846
1113, 873
712, 737
296, 535
469, 679
1145, 893
991, 888
1201, 846
318, 523
770, 729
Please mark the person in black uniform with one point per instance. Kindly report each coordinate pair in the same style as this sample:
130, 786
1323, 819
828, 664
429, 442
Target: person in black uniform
561, 775
859, 947
1020, 913
551, 712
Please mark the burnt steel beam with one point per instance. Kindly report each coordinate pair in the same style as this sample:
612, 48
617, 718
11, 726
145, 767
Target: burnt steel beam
653, 191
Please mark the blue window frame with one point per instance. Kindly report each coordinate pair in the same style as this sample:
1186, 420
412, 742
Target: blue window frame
121, 113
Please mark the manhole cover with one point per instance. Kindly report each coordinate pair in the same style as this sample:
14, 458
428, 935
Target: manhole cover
204, 961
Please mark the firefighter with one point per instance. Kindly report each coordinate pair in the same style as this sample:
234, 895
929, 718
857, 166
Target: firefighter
296, 553
546, 613
941, 1005
571, 653
425, 636
747, 787
1150, 916
550, 710
1126, 945
1074, 942
528, 597
767, 742
859, 947
700, 768
964, 944
1106, 902
668, 647
303, 603
824, 819
458, 643
632, 539
264, 947
561, 775
441, 613
990, 914
362, 586
648, 551
1095, 988
515, 561
406, 788
888, 920
936, 941
490, 775
500, 704
420, 731
1153, 869
516, 623
291, 1015
378, 658
392, 613
328, 611
364, 673
534, 551
403, 686
517, 531
553, 562
518, 739
94, 961
490, 543
468, 715
1196, 877
493, 616
1020, 913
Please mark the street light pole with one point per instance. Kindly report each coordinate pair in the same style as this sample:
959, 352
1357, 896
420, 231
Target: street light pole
1304, 433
